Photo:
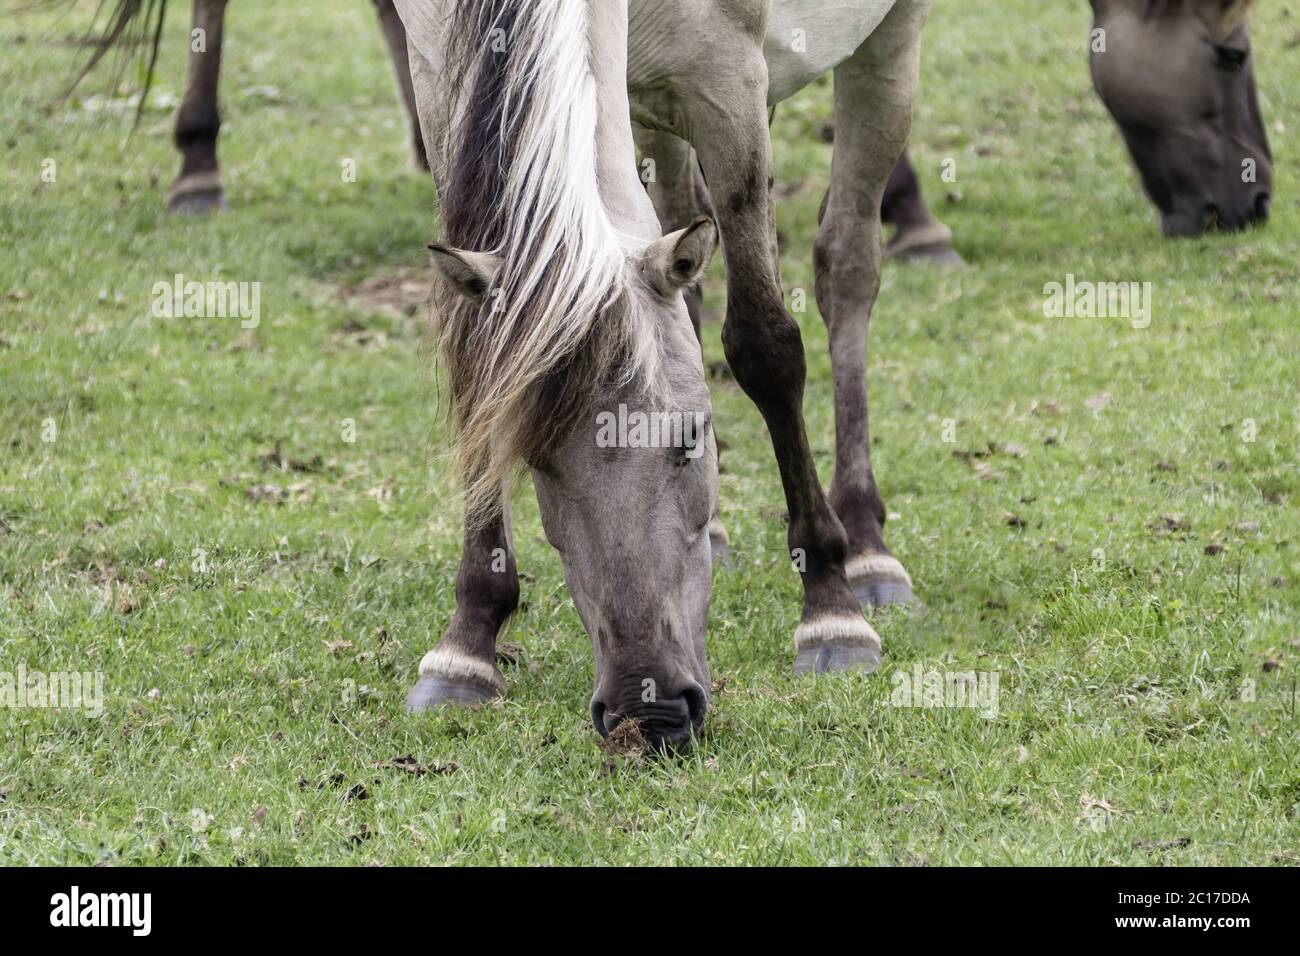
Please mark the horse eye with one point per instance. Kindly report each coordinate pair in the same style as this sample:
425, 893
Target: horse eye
1230, 58
686, 453
692, 441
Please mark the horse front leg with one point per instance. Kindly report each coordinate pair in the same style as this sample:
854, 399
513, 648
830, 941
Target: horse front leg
462, 668
765, 350
874, 92
198, 187
672, 179
676, 187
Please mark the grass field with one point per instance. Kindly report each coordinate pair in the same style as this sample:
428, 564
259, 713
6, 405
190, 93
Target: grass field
1126, 559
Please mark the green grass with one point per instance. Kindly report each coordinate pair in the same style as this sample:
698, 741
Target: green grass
1147, 687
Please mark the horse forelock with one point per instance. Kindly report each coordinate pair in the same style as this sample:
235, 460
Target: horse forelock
555, 330
1222, 19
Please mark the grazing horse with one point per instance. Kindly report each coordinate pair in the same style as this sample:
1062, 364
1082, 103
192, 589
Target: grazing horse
561, 300
1178, 78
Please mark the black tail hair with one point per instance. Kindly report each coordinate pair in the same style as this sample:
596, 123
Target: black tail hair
129, 24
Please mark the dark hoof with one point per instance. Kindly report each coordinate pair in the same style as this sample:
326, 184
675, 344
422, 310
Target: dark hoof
197, 193
883, 593
431, 691
832, 658
202, 203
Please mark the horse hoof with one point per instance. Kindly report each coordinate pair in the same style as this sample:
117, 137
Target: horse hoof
197, 194
836, 642
942, 255
719, 544
832, 659
883, 593
432, 691
879, 580
930, 243
201, 203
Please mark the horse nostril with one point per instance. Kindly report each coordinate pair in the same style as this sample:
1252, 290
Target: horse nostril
598, 717
1261, 206
697, 704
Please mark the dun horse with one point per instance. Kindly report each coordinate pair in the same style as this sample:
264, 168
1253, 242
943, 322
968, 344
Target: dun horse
564, 299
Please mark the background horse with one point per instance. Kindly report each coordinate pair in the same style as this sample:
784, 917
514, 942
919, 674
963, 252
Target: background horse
199, 187
1178, 78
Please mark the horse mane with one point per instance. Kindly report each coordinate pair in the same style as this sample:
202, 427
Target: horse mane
554, 331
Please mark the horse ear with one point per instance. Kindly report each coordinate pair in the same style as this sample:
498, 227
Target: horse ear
469, 273
678, 259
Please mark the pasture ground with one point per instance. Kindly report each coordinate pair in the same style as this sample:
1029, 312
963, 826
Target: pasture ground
1112, 531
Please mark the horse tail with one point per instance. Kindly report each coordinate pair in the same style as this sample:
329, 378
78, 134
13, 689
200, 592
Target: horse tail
129, 24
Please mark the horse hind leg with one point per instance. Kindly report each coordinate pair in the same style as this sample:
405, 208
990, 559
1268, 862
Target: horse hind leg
395, 37
198, 187
764, 348
874, 92
462, 668
918, 235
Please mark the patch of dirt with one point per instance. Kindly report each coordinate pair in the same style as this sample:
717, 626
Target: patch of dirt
408, 764
1174, 844
400, 293
277, 460
1173, 526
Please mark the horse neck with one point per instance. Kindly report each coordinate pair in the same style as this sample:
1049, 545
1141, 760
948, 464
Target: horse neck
621, 190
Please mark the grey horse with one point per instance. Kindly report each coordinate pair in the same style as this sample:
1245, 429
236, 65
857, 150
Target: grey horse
1178, 78
563, 298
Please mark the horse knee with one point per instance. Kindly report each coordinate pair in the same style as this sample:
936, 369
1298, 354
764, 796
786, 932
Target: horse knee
765, 351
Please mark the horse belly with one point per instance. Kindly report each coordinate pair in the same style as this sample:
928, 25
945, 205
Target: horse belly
805, 38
